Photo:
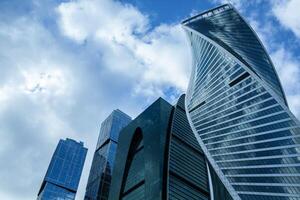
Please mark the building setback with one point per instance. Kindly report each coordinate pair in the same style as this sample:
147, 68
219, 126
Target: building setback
98, 185
238, 111
158, 157
63, 174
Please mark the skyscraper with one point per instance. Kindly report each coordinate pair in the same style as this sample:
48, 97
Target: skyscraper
238, 111
158, 157
63, 174
98, 185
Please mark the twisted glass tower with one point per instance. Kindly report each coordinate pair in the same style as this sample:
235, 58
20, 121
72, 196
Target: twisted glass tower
238, 111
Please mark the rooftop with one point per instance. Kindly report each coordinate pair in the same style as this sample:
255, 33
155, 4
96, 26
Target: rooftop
207, 13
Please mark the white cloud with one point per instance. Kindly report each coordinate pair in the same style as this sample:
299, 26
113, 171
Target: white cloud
34, 81
236, 3
96, 18
155, 58
294, 102
287, 12
288, 69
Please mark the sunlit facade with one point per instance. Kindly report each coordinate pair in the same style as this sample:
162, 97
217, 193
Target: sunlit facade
238, 111
63, 174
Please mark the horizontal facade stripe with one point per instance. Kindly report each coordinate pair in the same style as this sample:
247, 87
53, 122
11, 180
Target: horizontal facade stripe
213, 90
257, 142
238, 117
252, 135
269, 184
260, 158
218, 64
214, 70
269, 194
235, 110
262, 166
264, 175
221, 106
258, 150
245, 122
208, 86
229, 107
250, 128
251, 85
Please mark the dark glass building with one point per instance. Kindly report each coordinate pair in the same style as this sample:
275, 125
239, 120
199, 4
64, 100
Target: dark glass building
99, 181
158, 157
238, 111
63, 174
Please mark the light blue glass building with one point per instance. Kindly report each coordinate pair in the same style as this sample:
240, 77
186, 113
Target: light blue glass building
238, 111
99, 181
63, 174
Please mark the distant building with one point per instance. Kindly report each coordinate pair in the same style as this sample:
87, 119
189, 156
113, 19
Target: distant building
100, 174
158, 157
238, 111
63, 174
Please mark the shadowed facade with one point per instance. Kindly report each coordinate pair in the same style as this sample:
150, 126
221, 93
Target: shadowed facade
158, 157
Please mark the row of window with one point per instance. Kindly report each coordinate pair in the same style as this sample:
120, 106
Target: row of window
251, 137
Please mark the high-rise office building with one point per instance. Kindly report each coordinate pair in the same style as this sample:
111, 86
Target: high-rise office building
63, 174
99, 181
158, 157
238, 111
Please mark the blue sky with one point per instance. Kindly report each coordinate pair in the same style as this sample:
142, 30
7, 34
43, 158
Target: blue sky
65, 65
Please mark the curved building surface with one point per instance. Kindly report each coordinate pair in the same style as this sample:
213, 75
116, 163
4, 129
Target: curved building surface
238, 111
158, 157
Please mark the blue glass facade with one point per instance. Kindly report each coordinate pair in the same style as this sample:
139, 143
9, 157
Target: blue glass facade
63, 174
238, 111
111, 127
99, 181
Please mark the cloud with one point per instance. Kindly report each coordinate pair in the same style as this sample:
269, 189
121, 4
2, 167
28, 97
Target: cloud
65, 67
33, 84
288, 69
287, 13
129, 39
117, 19
236, 3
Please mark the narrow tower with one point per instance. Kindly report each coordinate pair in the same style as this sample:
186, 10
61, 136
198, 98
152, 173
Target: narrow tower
99, 181
63, 174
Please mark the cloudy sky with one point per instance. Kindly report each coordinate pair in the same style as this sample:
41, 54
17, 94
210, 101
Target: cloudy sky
65, 65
